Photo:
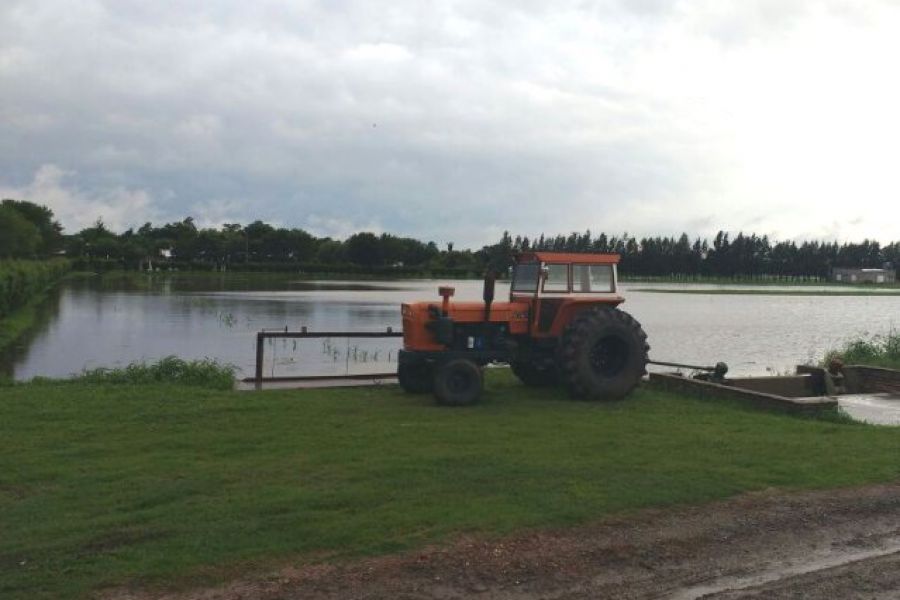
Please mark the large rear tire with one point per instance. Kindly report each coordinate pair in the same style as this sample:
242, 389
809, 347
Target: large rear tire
458, 382
603, 354
416, 378
534, 375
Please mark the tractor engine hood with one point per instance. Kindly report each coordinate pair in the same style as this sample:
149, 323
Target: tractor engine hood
416, 316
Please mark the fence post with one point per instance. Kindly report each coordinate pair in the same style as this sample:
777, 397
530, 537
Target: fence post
259, 358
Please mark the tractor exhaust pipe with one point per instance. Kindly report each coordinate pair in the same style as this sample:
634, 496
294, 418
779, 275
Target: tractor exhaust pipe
446, 292
490, 280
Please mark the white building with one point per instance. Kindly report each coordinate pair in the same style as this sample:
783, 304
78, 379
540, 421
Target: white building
845, 275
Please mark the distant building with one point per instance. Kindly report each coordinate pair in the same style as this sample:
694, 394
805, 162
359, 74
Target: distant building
845, 275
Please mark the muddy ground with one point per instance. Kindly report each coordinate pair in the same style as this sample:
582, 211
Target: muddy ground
831, 544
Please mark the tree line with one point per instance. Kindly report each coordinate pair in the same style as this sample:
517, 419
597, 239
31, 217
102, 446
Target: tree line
28, 230
741, 255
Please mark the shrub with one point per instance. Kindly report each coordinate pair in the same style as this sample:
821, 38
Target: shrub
879, 351
201, 373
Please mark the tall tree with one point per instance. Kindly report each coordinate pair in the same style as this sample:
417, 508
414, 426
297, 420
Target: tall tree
49, 230
19, 238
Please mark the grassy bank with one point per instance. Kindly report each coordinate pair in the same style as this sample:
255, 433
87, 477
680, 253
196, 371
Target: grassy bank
759, 281
22, 280
231, 280
171, 369
308, 270
23, 287
835, 290
735, 280
877, 351
103, 484
17, 324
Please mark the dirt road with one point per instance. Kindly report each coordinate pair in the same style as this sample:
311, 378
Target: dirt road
833, 544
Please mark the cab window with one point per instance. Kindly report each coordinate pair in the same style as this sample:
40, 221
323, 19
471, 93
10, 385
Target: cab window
597, 279
526, 277
557, 279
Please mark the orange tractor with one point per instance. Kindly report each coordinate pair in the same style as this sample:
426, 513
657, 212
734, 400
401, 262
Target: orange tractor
561, 325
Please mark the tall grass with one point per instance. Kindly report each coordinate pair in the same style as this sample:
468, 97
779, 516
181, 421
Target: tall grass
22, 280
877, 351
205, 373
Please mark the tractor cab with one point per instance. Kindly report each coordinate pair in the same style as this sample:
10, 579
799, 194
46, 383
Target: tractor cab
554, 274
555, 283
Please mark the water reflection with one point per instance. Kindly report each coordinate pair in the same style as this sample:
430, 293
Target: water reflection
47, 318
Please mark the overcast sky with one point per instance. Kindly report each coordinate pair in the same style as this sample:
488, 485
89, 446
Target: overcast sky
453, 121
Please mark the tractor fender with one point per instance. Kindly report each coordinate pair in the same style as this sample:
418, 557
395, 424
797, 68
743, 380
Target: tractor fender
570, 310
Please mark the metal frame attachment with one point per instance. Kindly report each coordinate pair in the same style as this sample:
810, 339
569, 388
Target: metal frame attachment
262, 336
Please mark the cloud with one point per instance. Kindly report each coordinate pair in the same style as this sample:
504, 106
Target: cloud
118, 207
455, 121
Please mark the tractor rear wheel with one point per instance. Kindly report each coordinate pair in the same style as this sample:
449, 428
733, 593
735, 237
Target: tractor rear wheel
458, 382
415, 378
603, 354
533, 374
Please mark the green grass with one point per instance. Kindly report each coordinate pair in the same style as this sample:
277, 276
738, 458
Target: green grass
103, 485
24, 287
842, 291
15, 325
143, 279
758, 280
171, 370
23, 280
876, 351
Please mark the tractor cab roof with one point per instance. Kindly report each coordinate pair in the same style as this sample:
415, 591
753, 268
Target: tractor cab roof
568, 258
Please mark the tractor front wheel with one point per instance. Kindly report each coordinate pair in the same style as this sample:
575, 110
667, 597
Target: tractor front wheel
415, 378
458, 382
603, 354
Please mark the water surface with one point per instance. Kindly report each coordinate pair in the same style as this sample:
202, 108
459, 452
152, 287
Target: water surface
101, 323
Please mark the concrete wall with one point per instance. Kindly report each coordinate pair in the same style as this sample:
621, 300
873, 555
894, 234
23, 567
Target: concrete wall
791, 386
817, 379
871, 380
705, 389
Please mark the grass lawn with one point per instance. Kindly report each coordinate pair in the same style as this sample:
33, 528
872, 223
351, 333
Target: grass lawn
103, 484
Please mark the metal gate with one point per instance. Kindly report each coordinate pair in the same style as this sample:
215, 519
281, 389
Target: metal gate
262, 336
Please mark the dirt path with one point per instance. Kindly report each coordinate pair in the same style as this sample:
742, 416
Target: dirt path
834, 544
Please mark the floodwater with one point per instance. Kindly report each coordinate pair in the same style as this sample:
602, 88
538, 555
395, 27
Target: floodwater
880, 409
93, 323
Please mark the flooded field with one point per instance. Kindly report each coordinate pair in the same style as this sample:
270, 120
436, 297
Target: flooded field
92, 323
